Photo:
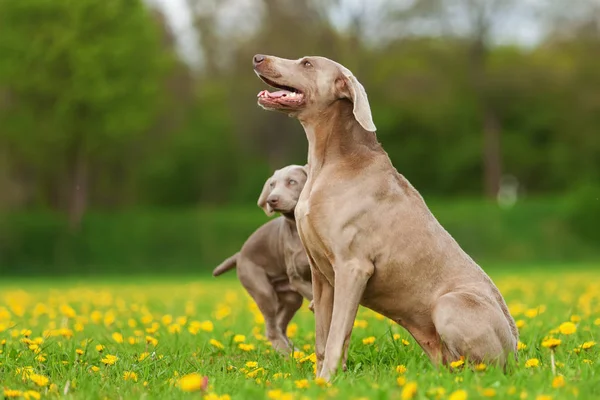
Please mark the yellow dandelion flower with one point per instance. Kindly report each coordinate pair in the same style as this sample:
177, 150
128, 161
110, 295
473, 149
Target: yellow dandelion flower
166, 319
143, 356
532, 363
458, 395
401, 369
360, 323
480, 367
252, 364
174, 328
558, 381
396, 336
12, 393
301, 384
67, 311
206, 326
587, 361
543, 397
192, 382
401, 380
246, 347
489, 392
575, 318
521, 345
131, 340
32, 394
130, 376
109, 359
551, 343
253, 374
409, 391
239, 338
457, 363
117, 337
39, 380
79, 351
520, 323
40, 358
151, 340
369, 340
588, 345
292, 329
437, 393
53, 388
275, 394
405, 342
311, 357
99, 348
132, 323
597, 321
94, 368
322, 382
567, 328
216, 343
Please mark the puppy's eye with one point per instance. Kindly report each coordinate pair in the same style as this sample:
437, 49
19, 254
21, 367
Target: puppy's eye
292, 182
272, 184
307, 64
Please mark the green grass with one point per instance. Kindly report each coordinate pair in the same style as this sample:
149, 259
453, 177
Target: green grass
220, 309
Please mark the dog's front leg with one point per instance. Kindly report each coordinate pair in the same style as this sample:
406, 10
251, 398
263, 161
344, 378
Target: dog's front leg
350, 282
323, 306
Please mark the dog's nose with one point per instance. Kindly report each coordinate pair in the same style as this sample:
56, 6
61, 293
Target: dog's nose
258, 58
273, 200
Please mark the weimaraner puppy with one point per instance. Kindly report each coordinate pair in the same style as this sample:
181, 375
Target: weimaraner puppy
369, 235
272, 264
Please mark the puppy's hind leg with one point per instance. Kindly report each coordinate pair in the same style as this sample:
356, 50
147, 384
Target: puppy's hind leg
289, 303
257, 284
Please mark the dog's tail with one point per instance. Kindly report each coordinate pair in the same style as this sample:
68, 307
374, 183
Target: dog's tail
226, 265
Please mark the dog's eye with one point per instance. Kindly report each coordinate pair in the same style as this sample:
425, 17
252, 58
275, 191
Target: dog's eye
292, 182
307, 64
272, 184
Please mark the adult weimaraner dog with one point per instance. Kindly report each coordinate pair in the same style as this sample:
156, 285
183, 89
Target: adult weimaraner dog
369, 235
272, 264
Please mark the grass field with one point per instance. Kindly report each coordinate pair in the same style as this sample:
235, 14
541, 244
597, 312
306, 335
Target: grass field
158, 339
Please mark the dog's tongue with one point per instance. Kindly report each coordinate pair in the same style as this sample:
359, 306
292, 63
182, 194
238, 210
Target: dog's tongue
277, 94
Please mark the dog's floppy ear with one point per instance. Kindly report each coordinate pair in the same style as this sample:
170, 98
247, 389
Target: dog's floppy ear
352, 89
262, 199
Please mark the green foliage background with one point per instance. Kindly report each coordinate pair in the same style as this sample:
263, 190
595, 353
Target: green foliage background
114, 152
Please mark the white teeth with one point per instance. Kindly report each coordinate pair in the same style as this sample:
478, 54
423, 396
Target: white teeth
293, 94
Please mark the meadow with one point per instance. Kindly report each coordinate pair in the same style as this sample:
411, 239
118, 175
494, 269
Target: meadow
202, 338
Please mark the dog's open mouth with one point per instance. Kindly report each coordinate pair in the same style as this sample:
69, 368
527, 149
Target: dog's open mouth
285, 96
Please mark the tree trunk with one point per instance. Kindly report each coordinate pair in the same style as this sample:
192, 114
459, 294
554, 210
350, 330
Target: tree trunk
492, 154
78, 197
491, 129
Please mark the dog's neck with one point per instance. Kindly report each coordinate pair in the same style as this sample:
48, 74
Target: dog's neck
335, 136
290, 217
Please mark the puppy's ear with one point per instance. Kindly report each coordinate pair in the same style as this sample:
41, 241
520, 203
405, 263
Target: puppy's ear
262, 199
350, 88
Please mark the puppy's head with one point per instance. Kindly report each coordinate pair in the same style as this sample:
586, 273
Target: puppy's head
282, 190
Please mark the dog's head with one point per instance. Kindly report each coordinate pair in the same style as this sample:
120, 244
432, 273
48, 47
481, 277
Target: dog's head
309, 85
282, 190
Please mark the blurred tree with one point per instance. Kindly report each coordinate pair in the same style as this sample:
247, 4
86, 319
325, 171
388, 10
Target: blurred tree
473, 21
84, 78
